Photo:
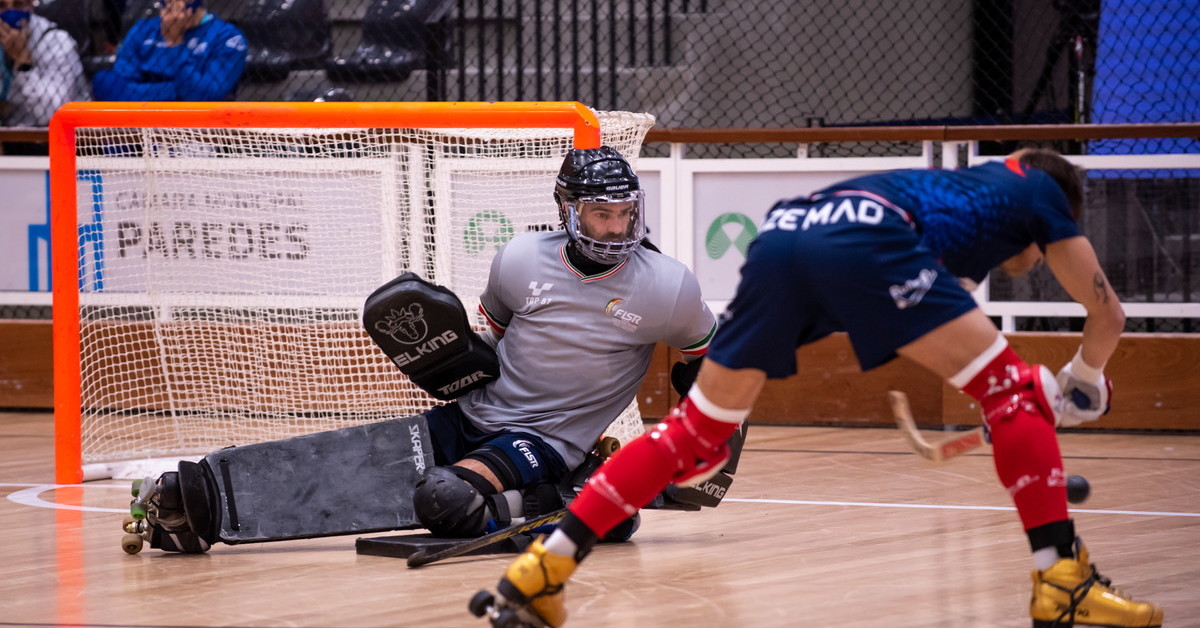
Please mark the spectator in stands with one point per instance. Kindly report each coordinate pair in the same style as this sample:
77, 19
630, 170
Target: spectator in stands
41, 68
186, 53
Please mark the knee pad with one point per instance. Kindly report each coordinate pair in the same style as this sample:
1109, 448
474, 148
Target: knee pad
497, 461
1031, 388
452, 502
695, 457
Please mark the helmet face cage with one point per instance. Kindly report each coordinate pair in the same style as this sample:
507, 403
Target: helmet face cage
601, 204
605, 228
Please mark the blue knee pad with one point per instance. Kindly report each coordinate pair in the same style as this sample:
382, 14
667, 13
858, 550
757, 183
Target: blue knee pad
520, 459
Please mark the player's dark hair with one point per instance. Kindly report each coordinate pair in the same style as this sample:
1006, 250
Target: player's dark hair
1068, 177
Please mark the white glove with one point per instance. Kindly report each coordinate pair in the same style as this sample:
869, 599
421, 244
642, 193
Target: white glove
1085, 392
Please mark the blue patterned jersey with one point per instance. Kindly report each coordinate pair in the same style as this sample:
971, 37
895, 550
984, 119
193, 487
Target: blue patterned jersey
975, 218
205, 67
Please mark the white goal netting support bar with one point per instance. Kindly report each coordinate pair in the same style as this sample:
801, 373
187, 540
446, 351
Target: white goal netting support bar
211, 259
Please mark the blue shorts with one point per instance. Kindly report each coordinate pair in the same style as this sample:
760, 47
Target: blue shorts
454, 437
844, 263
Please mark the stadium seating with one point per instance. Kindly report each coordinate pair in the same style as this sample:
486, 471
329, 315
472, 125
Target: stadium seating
73, 16
284, 35
395, 35
136, 10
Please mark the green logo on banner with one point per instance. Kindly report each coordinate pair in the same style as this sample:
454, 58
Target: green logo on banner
478, 235
717, 242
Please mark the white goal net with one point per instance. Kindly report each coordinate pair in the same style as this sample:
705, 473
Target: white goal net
222, 271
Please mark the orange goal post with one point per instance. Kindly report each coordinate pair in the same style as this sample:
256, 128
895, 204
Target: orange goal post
210, 260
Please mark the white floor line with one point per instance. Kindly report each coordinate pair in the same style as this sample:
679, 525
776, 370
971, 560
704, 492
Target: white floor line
31, 496
1142, 513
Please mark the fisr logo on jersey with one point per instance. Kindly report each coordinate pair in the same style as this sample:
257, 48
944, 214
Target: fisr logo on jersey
625, 318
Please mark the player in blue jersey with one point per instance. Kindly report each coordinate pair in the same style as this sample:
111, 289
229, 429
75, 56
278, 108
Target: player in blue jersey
183, 54
881, 257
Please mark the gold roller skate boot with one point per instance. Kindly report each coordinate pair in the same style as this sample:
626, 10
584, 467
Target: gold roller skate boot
1072, 593
535, 580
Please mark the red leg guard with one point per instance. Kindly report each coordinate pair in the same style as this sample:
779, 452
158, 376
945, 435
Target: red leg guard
685, 442
1017, 404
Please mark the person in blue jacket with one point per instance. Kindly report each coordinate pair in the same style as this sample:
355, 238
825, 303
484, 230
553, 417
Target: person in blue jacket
184, 54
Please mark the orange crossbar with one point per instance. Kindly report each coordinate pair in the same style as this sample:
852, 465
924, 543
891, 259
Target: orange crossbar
68, 450
260, 115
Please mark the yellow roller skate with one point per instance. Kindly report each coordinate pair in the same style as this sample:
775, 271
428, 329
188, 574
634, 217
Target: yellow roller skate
530, 595
1072, 593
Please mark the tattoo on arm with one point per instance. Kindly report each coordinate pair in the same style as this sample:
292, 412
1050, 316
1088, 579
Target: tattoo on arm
1100, 285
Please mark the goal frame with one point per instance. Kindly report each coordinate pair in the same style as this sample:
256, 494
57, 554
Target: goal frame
68, 453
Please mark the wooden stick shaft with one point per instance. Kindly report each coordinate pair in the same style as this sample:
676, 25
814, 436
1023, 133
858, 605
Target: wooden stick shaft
939, 452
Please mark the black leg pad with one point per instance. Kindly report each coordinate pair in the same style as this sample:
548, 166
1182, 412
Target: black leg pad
199, 499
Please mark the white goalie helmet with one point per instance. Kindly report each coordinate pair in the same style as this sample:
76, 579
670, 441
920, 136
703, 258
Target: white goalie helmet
601, 204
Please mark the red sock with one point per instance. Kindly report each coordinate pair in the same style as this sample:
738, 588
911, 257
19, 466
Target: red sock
642, 469
1025, 448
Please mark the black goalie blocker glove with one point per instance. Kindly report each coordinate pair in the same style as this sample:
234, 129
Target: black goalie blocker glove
423, 328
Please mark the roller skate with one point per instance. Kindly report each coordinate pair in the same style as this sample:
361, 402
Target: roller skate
1072, 593
157, 514
137, 528
530, 595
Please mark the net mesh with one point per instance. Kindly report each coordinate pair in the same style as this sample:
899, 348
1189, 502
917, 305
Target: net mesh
223, 271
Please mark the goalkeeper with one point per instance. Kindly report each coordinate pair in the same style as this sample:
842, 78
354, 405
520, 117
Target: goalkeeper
576, 314
573, 316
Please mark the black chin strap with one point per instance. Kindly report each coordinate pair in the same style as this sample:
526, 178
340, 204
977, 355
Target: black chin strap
592, 267
585, 264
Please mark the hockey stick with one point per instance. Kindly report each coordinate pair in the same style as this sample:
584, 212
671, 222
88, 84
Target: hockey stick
940, 451
421, 557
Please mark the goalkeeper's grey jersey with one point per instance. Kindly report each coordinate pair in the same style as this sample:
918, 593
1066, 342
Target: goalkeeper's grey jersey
573, 347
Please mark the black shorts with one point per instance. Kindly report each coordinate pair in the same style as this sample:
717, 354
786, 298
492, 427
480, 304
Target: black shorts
454, 437
845, 263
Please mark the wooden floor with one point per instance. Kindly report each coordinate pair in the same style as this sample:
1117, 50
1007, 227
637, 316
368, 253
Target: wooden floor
823, 527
